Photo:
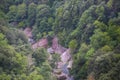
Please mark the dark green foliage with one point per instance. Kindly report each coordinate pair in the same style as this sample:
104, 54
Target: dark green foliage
12, 13
99, 39
37, 55
13, 35
10, 60
55, 59
80, 66
42, 65
14, 58
31, 14
105, 66
43, 20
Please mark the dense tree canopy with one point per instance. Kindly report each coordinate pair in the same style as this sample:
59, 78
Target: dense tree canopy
89, 28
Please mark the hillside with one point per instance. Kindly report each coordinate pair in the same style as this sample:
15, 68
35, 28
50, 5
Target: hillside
59, 40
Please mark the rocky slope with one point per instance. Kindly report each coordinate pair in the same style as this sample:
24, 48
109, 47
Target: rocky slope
63, 66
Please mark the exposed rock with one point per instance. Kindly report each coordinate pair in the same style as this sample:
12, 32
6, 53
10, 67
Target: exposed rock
70, 64
50, 50
57, 71
60, 65
41, 43
50, 57
65, 69
65, 57
55, 43
30, 40
57, 47
64, 65
28, 32
61, 76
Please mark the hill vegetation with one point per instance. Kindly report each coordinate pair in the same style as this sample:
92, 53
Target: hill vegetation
90, 28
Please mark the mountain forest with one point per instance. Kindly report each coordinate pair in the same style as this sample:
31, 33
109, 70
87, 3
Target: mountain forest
59, 39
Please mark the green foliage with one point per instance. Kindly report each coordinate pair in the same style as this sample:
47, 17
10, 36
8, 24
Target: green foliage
100, 10
73, 44
13, 35
85, 27
106, 48
21, 12
5, 77
31, 14
43, 11
2, 40
14, 62
106, 66
17, 14
91, 28
110, 3
35, 76
46, 71
43, 24
55, 59
89, 53
40, 56
8, 56
80, 66
99, 39
100, 25
21, 25
12, 13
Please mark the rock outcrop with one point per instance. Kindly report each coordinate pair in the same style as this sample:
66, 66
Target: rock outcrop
28, 32
57, 47
64, 64
41, 43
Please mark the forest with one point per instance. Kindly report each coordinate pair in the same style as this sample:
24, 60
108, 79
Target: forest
36, 34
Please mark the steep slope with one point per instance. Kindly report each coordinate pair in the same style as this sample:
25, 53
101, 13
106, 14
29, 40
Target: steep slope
89, 28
